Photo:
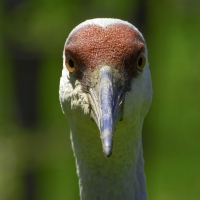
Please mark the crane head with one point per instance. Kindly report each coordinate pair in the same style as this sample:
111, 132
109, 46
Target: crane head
106, 75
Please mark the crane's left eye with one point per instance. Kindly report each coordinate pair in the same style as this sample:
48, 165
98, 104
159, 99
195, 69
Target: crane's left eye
70, 64
141, 62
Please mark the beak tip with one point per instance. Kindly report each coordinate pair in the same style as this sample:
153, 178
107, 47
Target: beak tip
107, 142
107, 151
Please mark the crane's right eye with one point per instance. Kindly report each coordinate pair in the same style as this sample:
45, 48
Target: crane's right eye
70, 64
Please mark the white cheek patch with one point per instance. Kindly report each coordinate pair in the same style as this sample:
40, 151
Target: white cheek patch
71, 97
138, 99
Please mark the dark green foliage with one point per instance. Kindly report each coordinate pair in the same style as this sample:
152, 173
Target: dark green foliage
171, 132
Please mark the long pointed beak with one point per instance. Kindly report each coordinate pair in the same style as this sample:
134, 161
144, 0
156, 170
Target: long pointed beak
107, 99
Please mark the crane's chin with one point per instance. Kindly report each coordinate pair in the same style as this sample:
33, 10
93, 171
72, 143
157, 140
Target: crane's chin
106, 101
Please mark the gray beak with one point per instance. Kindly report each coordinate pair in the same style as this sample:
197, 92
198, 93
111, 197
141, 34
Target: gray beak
106, 100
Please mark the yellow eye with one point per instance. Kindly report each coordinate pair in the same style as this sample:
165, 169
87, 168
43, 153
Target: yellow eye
141, 62
70, 64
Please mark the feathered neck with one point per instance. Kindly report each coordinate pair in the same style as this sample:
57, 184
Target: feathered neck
120, 176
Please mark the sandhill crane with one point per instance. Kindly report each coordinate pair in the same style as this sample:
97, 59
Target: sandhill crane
105, 92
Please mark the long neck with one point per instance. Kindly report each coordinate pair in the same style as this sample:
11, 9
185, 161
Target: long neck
120, 176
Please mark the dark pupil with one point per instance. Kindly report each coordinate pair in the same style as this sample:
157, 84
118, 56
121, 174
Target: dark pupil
71, 63
140, 62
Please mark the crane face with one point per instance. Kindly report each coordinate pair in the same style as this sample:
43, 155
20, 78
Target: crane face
105, 85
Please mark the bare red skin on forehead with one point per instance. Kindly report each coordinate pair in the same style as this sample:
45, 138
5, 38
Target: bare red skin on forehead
117, 45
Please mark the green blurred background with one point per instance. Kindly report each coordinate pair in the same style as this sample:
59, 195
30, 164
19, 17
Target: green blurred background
36, 160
